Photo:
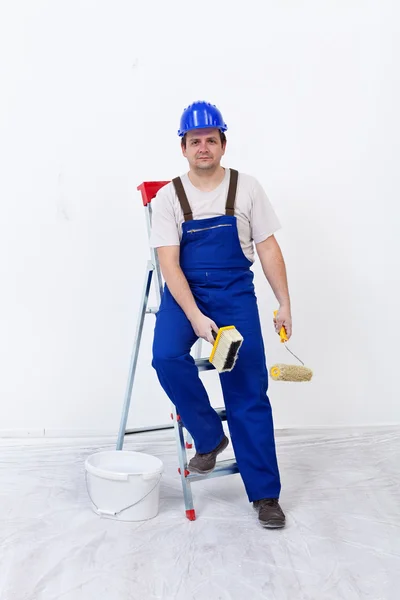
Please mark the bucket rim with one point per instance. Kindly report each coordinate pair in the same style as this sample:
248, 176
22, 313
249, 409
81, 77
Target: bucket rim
102, 470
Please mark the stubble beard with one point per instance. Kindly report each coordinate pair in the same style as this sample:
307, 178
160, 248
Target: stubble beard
206, 166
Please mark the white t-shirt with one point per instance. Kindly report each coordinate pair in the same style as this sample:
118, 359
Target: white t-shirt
256, 218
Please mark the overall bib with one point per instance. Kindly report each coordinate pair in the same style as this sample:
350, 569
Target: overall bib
221, 281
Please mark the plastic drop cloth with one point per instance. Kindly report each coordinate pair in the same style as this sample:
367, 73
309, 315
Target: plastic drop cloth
341, 495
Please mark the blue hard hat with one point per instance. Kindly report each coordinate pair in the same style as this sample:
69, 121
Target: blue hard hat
201, 115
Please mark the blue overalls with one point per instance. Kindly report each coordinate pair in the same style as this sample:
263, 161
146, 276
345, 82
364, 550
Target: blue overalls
221, 281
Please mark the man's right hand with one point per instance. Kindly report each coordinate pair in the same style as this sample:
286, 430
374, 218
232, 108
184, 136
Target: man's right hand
203, 327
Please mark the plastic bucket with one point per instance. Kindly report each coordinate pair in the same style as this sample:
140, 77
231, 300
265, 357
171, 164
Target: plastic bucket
124, 485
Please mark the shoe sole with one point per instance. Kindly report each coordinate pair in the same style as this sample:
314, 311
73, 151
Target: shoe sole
271, 526
198, 472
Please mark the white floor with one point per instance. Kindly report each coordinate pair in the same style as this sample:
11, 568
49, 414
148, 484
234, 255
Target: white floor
341, 494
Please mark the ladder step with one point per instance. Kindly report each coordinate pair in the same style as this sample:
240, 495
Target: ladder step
152, 310
223, 467
203, 364
150, 428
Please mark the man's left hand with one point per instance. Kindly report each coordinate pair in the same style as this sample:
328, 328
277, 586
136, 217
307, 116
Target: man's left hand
283, 319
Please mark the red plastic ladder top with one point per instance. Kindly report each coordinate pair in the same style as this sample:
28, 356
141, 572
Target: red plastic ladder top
149, 189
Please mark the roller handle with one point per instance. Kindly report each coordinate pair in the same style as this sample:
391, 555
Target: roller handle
282, 332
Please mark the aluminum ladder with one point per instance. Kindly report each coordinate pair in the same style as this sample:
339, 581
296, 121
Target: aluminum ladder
184, 440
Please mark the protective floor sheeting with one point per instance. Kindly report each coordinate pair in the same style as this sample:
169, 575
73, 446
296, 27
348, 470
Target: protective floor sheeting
341, 494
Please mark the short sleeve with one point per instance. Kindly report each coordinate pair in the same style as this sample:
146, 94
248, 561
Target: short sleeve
164, 229
264, 221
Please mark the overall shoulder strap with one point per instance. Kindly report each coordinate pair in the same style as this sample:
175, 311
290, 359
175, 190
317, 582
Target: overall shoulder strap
183, 201
230, 201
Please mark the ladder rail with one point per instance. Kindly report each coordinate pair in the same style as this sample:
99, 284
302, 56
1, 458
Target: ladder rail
182, 460
135, 354
154, 258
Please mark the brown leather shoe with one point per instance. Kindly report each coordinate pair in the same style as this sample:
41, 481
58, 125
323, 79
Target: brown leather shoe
270, 514
205, 463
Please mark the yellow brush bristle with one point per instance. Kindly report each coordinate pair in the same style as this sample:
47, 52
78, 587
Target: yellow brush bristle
282, 372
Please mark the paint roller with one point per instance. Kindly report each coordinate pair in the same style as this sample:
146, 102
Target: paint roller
283, 372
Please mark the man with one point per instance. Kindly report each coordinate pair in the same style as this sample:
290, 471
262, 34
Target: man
205, 226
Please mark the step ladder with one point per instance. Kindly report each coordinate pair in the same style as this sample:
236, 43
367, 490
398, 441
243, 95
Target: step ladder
184, 440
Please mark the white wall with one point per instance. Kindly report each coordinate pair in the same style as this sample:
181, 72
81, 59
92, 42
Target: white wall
90, 103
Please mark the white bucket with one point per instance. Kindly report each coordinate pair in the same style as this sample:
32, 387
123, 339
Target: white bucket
124, 485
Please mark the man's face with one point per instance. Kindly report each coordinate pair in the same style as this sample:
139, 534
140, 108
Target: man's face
203, 149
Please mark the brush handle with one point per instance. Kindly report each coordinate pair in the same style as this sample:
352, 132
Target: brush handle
282, 332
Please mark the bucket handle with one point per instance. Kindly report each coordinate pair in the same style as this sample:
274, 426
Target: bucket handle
115, 513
